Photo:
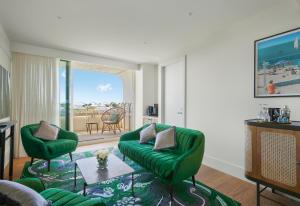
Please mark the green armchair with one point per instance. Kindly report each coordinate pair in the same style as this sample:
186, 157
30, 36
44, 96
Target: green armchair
59, 197
170, 165
41, 149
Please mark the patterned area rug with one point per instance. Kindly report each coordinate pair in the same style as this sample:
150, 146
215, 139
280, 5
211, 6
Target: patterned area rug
117, 192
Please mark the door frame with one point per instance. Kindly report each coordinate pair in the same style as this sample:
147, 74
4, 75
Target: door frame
161, 91
68, 94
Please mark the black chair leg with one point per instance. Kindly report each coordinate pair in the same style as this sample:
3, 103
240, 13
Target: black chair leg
71, 157
49, 161
171, 193
31, 162
123, 157
194, 182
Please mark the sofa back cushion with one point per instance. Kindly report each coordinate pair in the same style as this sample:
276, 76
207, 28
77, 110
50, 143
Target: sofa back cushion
165, 139
185, 138
148, 133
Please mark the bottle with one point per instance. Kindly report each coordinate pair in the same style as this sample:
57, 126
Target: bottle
286, 113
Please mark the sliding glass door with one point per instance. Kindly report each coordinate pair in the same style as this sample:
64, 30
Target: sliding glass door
87, 94
64, 94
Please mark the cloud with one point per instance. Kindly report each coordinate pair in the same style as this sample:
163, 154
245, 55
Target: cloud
104, 87
63, 74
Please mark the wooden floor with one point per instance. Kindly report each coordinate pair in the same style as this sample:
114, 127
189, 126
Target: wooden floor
240, 190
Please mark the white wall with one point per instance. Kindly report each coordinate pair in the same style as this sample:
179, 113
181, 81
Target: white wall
146, 90
139, 98
72, 56
220, 83
150, 81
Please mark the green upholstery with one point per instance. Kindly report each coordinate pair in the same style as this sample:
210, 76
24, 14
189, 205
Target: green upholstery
171, 165
34, 183
60, 146
161, 163
60, 197
37, 148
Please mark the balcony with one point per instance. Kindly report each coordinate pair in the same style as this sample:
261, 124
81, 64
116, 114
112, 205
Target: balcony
92, 122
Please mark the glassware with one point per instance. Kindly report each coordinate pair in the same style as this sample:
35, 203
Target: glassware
285, 114
102, 158
263, 114
266, 116
102, 163
260, 113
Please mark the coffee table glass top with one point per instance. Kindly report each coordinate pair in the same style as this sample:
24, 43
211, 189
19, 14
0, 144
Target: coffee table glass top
92, 175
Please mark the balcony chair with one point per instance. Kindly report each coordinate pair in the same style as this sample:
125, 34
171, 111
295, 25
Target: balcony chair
112, 119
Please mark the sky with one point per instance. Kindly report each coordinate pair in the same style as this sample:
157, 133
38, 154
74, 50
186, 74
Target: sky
279, 40
92, 87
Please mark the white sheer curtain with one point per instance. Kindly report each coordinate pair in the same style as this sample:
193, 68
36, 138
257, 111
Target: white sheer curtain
34, 91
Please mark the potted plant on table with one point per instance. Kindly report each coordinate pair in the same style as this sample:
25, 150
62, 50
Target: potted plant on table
102, 157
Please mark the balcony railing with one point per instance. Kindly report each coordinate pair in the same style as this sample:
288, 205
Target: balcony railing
80, 117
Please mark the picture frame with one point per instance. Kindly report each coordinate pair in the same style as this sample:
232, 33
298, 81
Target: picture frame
277, 65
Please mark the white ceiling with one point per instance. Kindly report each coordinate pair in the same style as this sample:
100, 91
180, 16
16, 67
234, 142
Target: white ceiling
133, 30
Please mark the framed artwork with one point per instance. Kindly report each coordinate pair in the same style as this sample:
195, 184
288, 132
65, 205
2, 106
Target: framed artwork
277, 65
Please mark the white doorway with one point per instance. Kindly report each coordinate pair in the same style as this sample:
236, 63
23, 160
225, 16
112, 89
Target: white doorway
174, 93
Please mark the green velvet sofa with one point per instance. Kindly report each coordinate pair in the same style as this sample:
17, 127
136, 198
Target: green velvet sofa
170, 165
37, 148
59, 197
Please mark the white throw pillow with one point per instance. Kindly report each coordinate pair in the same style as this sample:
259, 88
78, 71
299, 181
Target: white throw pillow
46, 131
25, 196
148, 133
165, 139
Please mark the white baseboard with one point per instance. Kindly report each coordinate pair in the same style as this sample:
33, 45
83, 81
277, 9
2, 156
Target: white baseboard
224, 166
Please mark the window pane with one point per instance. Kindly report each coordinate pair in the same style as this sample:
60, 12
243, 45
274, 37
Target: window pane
62, 94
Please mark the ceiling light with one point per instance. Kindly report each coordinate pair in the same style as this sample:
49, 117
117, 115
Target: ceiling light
190, 13
59, 17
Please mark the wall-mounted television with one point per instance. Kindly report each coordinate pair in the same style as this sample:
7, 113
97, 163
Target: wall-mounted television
4, 93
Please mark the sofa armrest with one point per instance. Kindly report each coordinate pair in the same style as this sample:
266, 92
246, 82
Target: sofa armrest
34, 183
134, 135
189, 163
63, 134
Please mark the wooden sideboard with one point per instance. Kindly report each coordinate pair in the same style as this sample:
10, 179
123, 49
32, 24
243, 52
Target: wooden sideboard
150, 119
272, 156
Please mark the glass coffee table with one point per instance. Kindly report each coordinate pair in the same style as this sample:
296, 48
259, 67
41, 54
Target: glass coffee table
92, 175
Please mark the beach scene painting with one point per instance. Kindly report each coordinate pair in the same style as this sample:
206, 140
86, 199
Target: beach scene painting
277, 65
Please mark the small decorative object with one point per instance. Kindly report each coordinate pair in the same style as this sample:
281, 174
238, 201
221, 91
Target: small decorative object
274, 114
285, 114
102, 157
277, 65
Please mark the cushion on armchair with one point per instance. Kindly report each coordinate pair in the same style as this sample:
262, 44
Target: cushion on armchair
13, 193
46, 131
